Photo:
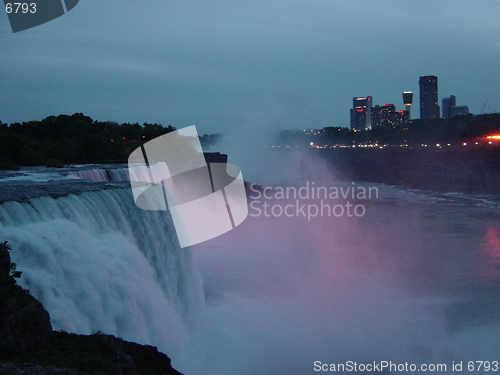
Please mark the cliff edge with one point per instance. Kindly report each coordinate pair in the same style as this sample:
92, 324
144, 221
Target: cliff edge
28, 345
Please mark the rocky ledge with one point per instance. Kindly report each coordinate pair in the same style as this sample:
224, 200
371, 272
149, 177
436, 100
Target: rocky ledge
28, 345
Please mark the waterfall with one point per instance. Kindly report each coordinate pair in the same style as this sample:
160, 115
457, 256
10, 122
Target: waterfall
270, 297
94, 174
97, 262
99, 174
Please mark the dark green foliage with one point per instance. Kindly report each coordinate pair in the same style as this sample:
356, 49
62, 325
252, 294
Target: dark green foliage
8, 165
19, 149
63, 139
54, 163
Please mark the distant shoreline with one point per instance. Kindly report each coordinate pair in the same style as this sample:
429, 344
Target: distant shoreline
472, 170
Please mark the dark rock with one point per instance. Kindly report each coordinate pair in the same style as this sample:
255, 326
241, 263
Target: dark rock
27, 340
24, 323
29, 368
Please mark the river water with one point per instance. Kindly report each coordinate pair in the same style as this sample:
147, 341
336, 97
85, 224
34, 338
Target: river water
407, 276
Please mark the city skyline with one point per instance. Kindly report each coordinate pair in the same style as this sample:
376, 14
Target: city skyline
364, 114
231, 66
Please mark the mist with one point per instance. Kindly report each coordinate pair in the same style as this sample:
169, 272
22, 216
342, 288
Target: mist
411, 278
285, 292
248, 143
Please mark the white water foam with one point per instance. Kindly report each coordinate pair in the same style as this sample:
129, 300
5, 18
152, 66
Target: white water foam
275, 295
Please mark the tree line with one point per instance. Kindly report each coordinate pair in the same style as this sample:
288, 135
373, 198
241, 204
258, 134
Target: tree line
67, 139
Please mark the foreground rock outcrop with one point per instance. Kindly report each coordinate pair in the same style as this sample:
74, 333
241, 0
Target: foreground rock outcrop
31, 369
28, 345
24, 323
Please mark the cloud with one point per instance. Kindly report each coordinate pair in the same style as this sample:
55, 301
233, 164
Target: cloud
211, 63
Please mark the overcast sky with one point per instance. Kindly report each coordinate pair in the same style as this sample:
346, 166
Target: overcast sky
221, 64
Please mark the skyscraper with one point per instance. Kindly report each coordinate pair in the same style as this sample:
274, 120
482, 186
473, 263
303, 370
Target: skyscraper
408, 100
448, 103
459, 110
450, 107
381, 115
387, 116
429, 108
361, 113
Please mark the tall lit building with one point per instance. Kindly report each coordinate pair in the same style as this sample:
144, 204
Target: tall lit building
361, 113
387, 116
429, 107
381, 115
447, 104
408, 101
